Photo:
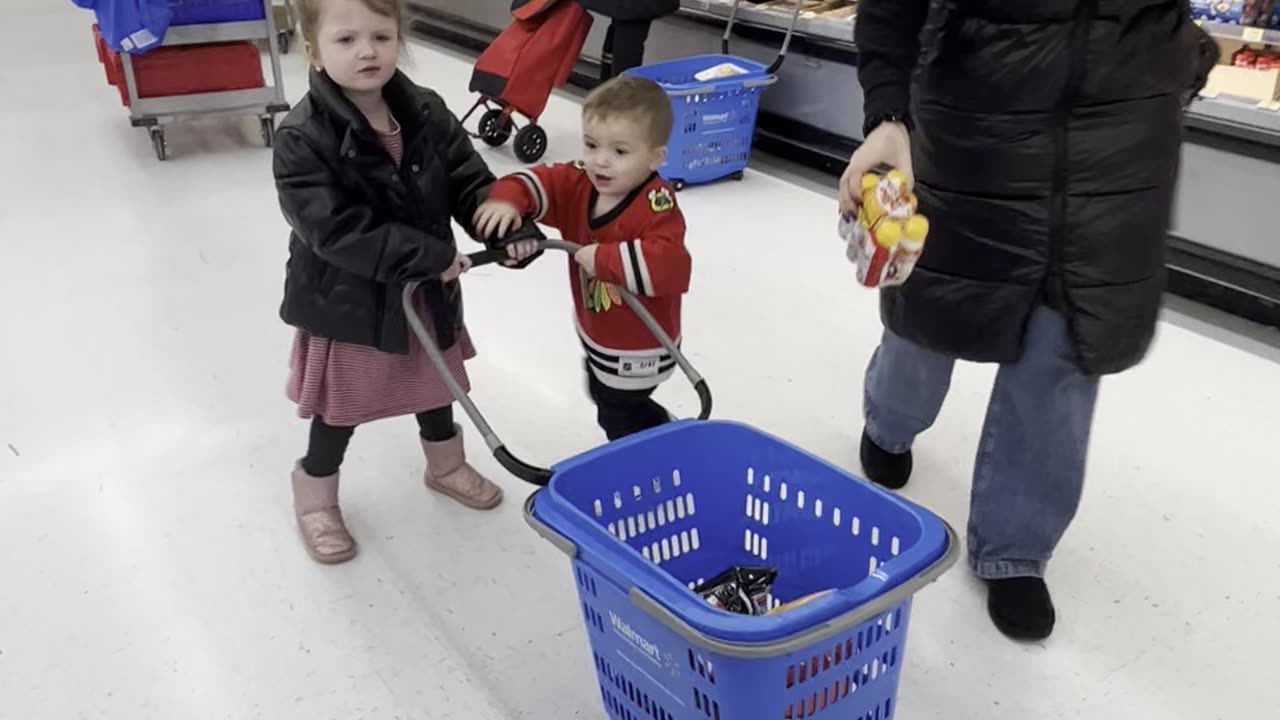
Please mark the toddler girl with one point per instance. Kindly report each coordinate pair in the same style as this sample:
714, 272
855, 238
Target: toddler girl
370, 168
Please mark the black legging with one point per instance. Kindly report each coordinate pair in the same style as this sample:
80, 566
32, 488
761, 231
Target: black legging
623, 47
328, 444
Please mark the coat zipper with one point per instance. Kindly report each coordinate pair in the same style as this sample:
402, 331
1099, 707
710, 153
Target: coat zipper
1082, 23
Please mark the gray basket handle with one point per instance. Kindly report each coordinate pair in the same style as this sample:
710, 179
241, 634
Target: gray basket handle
782, 646
514, 465
786, 41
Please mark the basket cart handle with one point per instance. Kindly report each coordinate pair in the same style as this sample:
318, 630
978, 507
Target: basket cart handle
514, 465
786, 41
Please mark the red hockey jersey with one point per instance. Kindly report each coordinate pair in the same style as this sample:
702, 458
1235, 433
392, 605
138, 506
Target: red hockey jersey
641, 249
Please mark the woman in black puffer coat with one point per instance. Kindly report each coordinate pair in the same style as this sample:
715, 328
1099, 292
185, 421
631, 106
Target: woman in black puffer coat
629, 22
1043, 137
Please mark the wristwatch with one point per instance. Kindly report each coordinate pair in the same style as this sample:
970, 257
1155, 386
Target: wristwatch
871, 122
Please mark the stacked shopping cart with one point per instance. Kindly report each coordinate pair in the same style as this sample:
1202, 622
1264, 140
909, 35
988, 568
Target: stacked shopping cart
208, 63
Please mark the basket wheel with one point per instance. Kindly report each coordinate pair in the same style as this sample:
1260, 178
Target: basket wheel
738, 175
268, 131
531, 143
158, 144
495, 128
282, 41
677, 185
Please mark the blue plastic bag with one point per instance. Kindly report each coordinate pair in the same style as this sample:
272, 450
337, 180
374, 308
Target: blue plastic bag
132, 26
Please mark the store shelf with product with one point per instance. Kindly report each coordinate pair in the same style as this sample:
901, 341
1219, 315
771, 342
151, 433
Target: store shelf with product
1241, 117
1242, 97
826, 19
1224, 250
1243, 33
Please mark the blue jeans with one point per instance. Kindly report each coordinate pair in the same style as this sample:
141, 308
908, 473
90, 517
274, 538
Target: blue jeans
1029, 473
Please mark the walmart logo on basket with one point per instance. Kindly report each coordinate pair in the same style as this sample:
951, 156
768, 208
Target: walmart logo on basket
650, 650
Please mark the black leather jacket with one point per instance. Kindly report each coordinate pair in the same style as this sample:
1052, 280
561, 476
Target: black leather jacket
361, 227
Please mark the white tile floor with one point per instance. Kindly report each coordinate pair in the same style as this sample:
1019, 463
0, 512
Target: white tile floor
150, 568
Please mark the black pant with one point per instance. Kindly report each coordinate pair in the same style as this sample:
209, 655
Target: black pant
624, 412
623, 47
328, 443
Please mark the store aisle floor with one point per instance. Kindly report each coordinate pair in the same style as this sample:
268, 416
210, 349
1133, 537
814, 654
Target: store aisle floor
151, 569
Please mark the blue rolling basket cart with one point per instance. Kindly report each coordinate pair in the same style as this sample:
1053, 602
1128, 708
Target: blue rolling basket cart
715, 120
649, 517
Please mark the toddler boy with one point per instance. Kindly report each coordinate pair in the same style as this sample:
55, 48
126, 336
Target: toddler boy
624, 215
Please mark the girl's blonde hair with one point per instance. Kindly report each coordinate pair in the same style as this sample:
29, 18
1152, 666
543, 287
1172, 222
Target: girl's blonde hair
309, 16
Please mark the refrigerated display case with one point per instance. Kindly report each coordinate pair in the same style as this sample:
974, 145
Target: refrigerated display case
1224, 245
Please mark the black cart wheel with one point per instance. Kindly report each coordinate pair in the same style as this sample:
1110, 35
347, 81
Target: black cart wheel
268, 131
282, 41
738, 175
678, 185
158, 144
531, 143
495, 128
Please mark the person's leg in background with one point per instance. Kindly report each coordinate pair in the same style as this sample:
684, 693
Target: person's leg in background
624, 43
905, 388
606, 54
624, 412
315, 494
448, 471
1029, 474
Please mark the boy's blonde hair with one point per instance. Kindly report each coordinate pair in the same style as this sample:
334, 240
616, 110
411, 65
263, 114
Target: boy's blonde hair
309, 16
637, 98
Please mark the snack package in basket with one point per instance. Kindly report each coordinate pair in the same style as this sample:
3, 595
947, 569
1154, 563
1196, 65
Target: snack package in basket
798, 602
887, 235
743, 589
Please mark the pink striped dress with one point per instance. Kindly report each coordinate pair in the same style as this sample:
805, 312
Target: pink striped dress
348, 385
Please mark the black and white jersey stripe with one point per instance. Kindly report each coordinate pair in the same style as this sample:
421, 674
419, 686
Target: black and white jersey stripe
536, 190
635, 269
628, 369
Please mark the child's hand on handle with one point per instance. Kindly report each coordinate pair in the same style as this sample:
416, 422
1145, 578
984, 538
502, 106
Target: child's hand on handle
586, 257
461, 264
494, 219
520, 251
889, 144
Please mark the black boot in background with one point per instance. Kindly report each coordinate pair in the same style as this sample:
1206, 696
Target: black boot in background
1021, 608
885, 468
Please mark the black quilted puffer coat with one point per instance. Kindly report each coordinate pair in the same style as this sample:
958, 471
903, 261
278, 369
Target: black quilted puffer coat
1045, 137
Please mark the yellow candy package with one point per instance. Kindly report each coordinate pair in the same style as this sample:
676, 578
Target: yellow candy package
886, 236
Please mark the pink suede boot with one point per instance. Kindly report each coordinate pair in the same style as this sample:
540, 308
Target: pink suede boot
315, 503
449, 474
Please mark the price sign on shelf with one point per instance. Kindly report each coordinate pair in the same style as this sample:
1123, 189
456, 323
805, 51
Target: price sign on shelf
1252, 34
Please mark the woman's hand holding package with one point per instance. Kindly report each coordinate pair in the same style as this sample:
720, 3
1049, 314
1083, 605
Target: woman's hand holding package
889, 144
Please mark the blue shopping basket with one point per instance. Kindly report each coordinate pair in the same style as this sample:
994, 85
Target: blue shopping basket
715, 120
649, 517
